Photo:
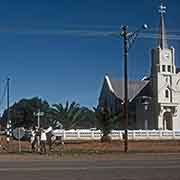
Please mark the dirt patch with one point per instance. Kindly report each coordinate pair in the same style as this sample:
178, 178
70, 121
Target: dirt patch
94, 150
118, 146
97, 147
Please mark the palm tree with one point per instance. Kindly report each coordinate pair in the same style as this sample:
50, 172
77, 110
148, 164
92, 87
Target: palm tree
106, 121
68, 115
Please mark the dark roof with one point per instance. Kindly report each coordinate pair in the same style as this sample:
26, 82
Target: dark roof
134, 87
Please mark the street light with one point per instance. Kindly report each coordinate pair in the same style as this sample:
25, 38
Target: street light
129, 38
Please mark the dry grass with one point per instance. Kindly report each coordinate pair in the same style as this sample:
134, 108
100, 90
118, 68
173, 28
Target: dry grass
118, 146
98, 147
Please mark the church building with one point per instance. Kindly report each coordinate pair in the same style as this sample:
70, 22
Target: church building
153, 102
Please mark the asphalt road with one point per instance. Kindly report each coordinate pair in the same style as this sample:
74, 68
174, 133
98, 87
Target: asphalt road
126, 169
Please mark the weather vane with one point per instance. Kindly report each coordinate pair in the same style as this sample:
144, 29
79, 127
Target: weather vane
162, 8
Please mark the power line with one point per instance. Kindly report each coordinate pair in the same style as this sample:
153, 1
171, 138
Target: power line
156, 36
83, 31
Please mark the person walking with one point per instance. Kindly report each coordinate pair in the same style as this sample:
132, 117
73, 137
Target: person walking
43, 139
33, 139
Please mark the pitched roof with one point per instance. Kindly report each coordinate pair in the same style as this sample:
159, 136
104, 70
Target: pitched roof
134, 87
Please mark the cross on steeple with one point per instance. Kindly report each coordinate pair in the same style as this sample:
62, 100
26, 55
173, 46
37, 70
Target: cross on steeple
162, 40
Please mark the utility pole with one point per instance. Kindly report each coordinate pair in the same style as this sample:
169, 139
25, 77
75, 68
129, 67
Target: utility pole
129, 38
8, 112
124, 34
38, 114
9, 127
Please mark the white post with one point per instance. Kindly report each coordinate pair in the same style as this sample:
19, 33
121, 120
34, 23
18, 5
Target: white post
92, 134
160, 134
19, 140
38, 114
174, 136
78, 134
120, 135
38, 137
8, 133
133, 135
147, 134
64, 134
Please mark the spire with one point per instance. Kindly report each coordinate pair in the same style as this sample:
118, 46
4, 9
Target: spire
162, 40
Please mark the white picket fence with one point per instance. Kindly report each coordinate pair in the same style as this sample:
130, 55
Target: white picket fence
87, 134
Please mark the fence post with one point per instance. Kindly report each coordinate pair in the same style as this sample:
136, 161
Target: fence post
92, 134
133, 135
174, 135
160, 134
147, 134
78, 134
120, 135
64, 134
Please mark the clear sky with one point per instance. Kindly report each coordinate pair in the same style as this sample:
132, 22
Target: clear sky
43, 62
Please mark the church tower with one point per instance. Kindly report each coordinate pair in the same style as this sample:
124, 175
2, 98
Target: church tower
166, 94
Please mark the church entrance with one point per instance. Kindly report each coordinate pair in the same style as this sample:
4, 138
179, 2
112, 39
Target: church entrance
167, 121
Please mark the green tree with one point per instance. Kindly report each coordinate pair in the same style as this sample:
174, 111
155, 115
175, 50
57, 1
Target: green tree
106, 121
22, 112
71, 115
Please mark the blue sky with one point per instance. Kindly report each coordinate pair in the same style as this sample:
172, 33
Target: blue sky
41, 62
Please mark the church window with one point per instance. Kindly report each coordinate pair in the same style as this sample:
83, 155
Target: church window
163, 68
166, 93
169, 68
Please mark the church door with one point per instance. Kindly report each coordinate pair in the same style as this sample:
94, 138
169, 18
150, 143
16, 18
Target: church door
167, 121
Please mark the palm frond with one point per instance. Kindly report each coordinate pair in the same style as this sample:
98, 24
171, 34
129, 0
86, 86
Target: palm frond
76, 118
66, 106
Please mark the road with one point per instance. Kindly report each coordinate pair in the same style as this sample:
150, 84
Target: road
115, 169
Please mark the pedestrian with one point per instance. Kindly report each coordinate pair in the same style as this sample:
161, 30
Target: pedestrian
43, 139
33, 139
49, 136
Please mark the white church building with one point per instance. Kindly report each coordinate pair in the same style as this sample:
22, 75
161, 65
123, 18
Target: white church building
154, 103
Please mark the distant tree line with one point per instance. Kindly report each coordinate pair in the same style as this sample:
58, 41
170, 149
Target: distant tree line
69, 115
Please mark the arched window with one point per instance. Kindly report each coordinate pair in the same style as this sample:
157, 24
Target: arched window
169, 68
163, 68
167, 93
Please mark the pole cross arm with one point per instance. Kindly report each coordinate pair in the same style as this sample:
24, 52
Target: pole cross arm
132, 36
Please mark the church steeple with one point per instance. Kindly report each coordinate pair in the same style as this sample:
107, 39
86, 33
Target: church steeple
162, 40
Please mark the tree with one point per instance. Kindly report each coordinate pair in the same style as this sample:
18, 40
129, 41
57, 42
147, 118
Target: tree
69, 115
88, 119
22, 113
106, 121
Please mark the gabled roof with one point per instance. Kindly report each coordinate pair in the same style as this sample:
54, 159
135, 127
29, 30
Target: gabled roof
134, 87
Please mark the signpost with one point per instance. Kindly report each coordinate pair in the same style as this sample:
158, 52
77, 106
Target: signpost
39, 114
18, 133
